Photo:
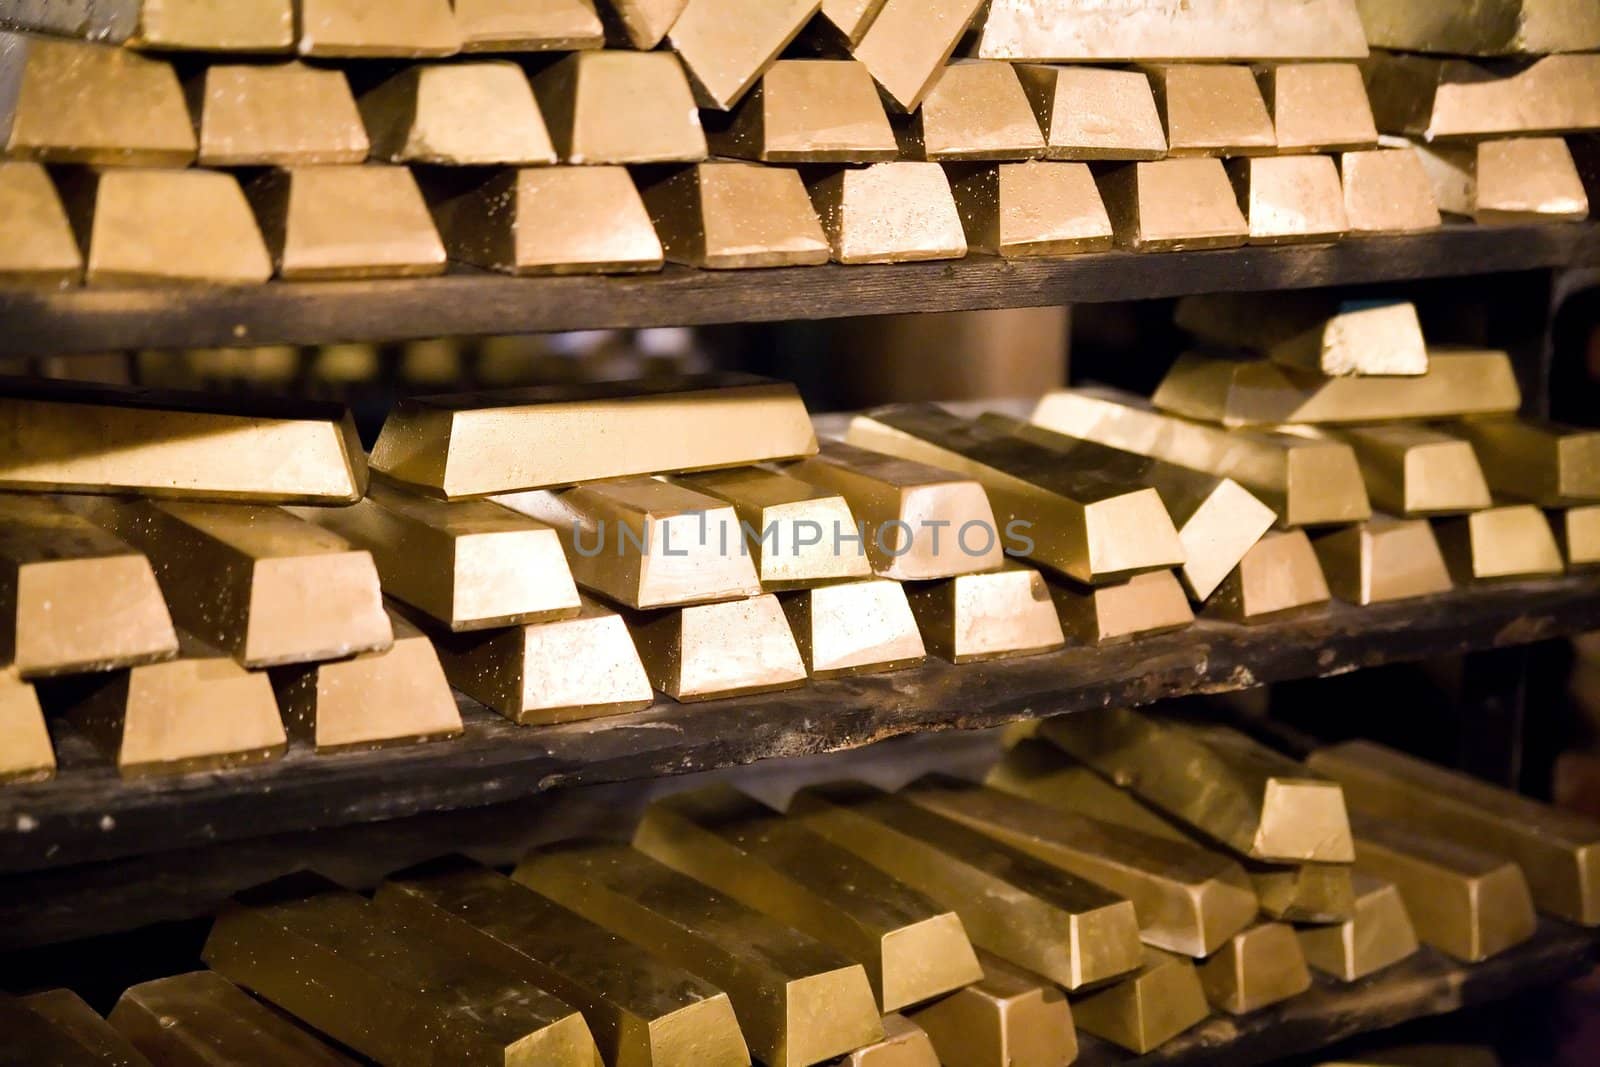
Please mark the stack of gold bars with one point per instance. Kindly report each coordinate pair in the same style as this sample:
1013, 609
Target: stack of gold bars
294, 144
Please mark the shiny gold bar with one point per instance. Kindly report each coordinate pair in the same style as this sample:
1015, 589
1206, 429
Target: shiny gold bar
279, 114
1507, 182
1495, 28
736, 215
73, 598
901, 505
1039, 771
1261, 966
209, 26
1146, 604
1022, 909
799, 1002
36, 242
1417, 471
1578, 533
1318, 107
1433, 98
26, 754
1383, 559
975, 110
1465, 902
346, 222
1172, 205
350, 29
1140, 1013
726, 45
1379, 936
1280, 575
904, 1044
458, 114
244, 578
1212, 110
92, 1039
389, 990
1093, 113
72, 102
889, 213
1275, 809
995, 615
642, 24
1386, 191
1318, 893
643, 1012
477, 444
718, 650
1501, 542
861, 627
908, 42
620, 107
1531, 459
528, 25
913, 949
1010, 1018
1018, 210
1290, 199
1313, 332
203, 1020
1306, 482
810, 111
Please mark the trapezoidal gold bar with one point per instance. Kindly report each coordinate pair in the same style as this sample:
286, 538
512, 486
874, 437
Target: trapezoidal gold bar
86, 1040
1386, 191
1578, 533
975, 110
907, 44
350, 29
799, 1002
860, 627
458, 114
620, 107
1435, 98
1145, 604
1318, 107
1507, 182
1500, 542
717, 650
1496, 28
1418, 471
1530, 459
207, 26
203, 1020
1280, 575
528, 25
1304, 893
643, 1011
904, 1044
889, 213
995, 615
1383, 559
1379, 936
26, 754
736, 215
1172, 205
37, 246
1017, 210
346, 222
726, 45
1313, 332
1146, 1010
1290, 199
1009, 1018
913, 950
278, 114
478, 444
1212, 110
1093, 113
1261, 966
810, 111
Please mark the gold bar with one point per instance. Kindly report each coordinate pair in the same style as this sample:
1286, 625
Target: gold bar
203, 1020
477, 444
92, 1039
363, 28
1278, 576
1017, 210
557, 220
1087, 511
1383, 559
1094, 113
1417, 471
1143, 1012
1507, 182
25, 751
641, 24
1307, 893
1274, 810
643, 1012
1020, 908
1386, 191
1495, 28
458, 114
1313, 332
995, 615
1318, 107
111, 23
1039, 771
1501, 542
73, 598
243, 577
719, 650
389, 990
1009, 1018
1261, 966
1146, 604
849, 19
1290, 199
889, 213
1578, 532
810, 111
975, 110
72, 102
902, 505
36, 242
726, 45
208, 26
798, 1001
1463, 901
528, 25
1379, 936
1212, 110
913, 950
1172, 205
909, 41
1531, 459
736, 215
346, 222
861, 627
904, 1044
1433, 97
280, 114
620, 107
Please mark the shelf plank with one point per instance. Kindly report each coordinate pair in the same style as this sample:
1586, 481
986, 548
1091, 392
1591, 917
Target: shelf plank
37, 322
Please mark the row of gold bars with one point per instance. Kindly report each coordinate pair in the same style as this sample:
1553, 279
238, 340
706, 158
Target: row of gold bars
948, 923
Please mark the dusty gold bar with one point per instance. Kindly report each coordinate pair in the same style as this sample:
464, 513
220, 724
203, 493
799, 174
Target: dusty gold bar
889, 213
1507, 182
1318, 107
1578, 533
1290, 199
1212, 110
718, 650
1146, 604
209, 26
726, 45
995, 615
1142, 1012
1261, 966
736, 215
860, 627
1094, 113
26, 754
346, 222
1306, 893
1010, 1018
798, 1001
1530, 459
975, 110
1017, 210
1415, 470
912, 949
907, 43
458, 114
1312, 331
350, 29
810, 111
1500, 542
528, 25
1386, 191
203, 1020
1383, 559
94, 1041
1433, 97
1280, 575
36, 242
620, 107
1379, 936
1171, 205
279, 114
1495, 28
904, 1044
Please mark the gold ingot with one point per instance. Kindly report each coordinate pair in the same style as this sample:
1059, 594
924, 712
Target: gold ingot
25, 751
1318, 107
810, 111
643, 1012
995, 615
620, 107
1261, 393
459, 114
1306, 482
912, 949
798, 1001
389, 990
1502, 542
1188, 900
1261, 966
1383, 559
1499, 27
902, 505
1290, 199
559, 220
210, 26
889, 213
1578, 532
726, 45
1422, 1056
1304, 893
1508, 182
1530, 459
1017, 210
347, 222
736, 215
1249, 798
1465, 902
1140, 1013
88, 1039
72, 102
1094, 113
1312, 331
1379, 936
73, 598
203, 1020
1434, 97
793, 529
528, 25
719, 650
279, 114
1010, 1018
1278, 576
848, 20
362, 28
1386, 191
904, 1044
1172, 205
112, 23
975, 110
478, 444
1212, 110
36, 242
255, 581
1414, 470
1089, 517
1026, 911
643, 23
1041, 772
1147, 604
1558, 851
861, 627
909, 41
